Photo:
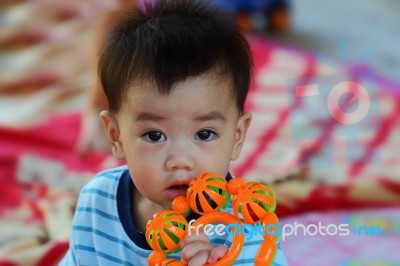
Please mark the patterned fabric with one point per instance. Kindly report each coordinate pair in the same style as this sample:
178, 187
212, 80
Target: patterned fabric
45, 72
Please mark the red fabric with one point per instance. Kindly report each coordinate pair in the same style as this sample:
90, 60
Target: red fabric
336, 197
54, 139
7, 263
54, 254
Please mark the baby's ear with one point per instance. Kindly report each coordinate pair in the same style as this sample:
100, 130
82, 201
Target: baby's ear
241, 129
111, 126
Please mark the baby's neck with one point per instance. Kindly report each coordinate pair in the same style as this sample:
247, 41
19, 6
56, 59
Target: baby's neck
143, 210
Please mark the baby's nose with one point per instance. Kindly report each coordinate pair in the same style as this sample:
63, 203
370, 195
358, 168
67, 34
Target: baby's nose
180, 157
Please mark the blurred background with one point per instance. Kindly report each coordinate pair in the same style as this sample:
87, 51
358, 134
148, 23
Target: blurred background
329, 159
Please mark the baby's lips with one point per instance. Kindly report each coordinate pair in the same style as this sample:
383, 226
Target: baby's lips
179, 186
176, 190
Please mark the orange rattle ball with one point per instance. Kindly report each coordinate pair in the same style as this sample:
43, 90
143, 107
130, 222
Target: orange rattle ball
235, 185
166, 231
181, 205
156, 258
207, 193
253, 202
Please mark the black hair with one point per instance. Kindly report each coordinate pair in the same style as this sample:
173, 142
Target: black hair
170, 40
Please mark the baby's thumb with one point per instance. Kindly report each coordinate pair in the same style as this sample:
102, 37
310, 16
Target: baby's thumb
217, 253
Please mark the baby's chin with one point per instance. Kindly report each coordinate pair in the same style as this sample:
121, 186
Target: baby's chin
168, 205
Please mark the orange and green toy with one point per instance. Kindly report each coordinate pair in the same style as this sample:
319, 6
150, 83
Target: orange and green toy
252, 203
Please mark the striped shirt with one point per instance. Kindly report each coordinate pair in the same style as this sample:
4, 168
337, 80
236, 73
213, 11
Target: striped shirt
104, 232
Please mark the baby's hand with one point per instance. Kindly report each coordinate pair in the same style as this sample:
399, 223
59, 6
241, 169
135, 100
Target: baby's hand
197, 250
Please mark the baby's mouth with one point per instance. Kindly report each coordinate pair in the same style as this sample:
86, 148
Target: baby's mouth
176, 190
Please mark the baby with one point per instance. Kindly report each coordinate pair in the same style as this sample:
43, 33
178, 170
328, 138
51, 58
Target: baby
176, 75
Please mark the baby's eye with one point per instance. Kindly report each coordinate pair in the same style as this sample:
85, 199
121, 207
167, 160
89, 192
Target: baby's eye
154, 136
206, 135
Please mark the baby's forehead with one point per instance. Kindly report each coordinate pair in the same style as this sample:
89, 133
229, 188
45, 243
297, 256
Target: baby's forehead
218, 81
205, 88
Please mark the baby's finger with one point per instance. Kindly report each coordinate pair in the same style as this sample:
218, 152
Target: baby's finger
200, 258
194, 237
217, 253
190, 250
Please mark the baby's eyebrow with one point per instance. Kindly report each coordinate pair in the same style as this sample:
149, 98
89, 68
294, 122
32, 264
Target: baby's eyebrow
149, 117
213, 115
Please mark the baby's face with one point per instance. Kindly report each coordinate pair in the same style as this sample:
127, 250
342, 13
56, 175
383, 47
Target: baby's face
168, 140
